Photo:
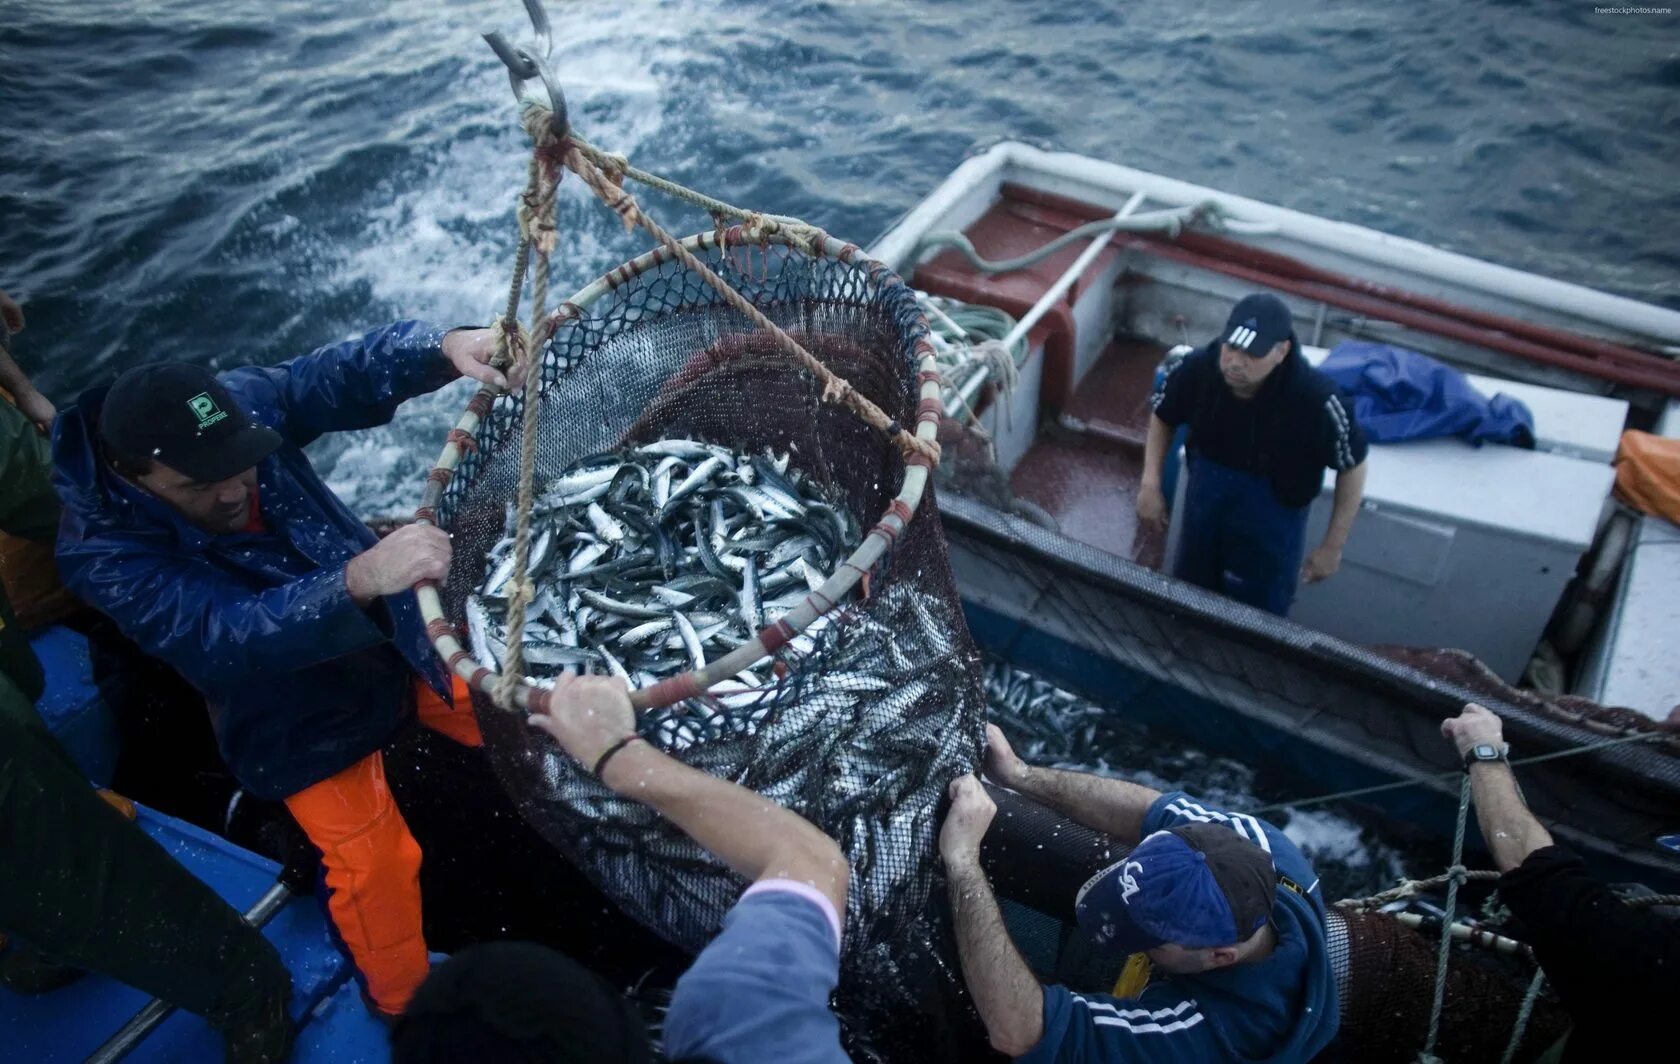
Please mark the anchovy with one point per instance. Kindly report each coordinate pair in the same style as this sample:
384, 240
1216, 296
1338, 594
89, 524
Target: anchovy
609, 530
690, 640
648, 561
693, 481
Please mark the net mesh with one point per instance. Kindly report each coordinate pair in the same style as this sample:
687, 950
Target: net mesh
1385, 973
861, 734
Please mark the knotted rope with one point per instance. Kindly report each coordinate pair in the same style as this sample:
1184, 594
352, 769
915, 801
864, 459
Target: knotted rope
604, 173
513, 345
1456, 874
835, 389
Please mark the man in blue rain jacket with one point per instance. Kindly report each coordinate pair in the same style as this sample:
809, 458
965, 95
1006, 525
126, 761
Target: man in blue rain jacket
194, 520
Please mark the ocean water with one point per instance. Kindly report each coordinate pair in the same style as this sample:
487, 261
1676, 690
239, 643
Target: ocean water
228, 181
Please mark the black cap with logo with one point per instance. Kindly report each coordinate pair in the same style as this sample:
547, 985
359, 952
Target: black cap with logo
1257, 324
180, 415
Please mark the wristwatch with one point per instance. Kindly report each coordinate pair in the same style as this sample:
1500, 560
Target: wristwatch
1485, 752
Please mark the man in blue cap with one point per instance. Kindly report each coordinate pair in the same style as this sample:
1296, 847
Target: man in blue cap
1263, 427
1223, 905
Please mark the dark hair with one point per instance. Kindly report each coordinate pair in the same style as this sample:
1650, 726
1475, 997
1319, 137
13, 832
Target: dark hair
517, 1002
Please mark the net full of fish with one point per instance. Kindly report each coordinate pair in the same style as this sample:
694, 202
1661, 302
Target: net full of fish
650, 561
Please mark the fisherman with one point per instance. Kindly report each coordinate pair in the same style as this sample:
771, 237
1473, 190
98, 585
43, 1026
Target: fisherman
80, 883
1264, 425
195, 521
758, 992
1616, 968
1223, 905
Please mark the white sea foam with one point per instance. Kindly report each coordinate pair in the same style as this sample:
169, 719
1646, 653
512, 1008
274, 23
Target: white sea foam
441, 247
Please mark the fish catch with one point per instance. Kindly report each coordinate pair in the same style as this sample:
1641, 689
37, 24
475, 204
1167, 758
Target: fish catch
651, 561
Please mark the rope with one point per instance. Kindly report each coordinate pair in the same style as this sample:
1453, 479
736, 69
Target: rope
537, 229
1523, 1014
604, 173
1411, 888
1652, 901
1417, 781
802, 235
835, 389
1455, 875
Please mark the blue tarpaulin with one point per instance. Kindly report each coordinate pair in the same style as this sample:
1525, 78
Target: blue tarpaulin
1403, 395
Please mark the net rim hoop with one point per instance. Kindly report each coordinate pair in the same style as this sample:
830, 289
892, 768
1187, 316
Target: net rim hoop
446, 642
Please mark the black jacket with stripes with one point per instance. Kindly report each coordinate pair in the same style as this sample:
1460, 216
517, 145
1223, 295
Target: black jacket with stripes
1295, 428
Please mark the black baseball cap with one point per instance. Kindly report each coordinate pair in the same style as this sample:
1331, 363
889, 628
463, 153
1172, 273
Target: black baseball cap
1196, 885
179, 414
1257, 323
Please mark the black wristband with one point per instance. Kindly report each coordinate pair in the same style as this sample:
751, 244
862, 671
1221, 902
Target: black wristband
607, 754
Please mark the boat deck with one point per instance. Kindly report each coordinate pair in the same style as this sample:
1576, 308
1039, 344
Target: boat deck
1088, 479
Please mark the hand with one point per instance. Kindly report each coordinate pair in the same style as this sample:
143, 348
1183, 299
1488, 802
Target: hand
11, 314
1321, 563
399, 561
587, 714
36, 407
470, 352
1152, 507
970, 815
1472, 727
1001, 763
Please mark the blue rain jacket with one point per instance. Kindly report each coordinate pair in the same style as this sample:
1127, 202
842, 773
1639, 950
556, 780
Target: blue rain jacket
1403, 395
301, 682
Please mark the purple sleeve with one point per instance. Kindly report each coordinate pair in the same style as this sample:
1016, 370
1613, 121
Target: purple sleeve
759, 991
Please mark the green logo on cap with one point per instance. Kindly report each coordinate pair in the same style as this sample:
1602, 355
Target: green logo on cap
205, 409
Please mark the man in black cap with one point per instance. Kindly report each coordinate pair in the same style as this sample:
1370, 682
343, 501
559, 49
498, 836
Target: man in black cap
1264, 425
1223, 905
195, 521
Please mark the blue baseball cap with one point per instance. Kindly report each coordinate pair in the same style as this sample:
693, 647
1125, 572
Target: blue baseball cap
1196, 886
1257, 324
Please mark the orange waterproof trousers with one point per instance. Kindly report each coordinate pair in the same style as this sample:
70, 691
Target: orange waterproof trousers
372, 861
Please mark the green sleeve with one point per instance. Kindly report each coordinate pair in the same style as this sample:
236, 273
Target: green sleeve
28, 507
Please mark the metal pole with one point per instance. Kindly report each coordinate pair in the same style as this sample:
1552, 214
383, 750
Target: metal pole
971, 387
148, 1019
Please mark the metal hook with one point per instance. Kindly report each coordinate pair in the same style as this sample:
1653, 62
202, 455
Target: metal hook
522, 66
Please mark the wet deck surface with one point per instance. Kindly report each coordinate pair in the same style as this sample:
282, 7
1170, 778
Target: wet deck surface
1088, 481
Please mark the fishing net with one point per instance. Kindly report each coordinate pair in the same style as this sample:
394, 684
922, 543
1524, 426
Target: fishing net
1385, 974
1195, 661
1384, 970
860, 734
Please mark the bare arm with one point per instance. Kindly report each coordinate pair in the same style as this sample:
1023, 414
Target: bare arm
1326, 558
1112, 806
1151, 504
751, 834
1010, 1001
35, 406
1511, 831
1350, 492
1155, 451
